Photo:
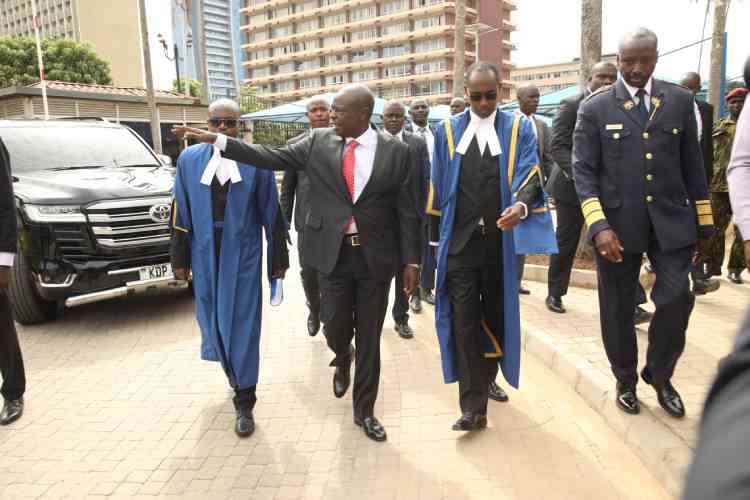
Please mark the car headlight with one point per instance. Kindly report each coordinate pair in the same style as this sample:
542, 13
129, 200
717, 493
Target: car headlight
54, 213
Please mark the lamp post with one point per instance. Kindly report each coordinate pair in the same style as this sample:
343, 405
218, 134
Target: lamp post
479, 29
176, 58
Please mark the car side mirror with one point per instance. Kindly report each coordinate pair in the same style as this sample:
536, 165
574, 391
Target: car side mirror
165, 160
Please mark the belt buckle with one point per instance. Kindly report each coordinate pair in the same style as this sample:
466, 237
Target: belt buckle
354, 239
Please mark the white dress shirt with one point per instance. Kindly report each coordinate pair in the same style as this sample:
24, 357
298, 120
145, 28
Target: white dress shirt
738, 173
364, 158
484, 130
399, 136
634, 90
698, 120
223, 168
428, 136
7, 258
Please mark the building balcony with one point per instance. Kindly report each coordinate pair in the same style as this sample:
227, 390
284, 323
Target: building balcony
332, 30
508, 25
510, 5
355, 45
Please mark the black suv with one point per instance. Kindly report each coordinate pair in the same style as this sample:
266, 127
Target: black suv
93, 205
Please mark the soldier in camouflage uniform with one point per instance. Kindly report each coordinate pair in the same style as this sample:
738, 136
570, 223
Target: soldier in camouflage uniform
722, 209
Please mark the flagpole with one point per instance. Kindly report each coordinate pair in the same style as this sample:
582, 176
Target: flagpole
36, 22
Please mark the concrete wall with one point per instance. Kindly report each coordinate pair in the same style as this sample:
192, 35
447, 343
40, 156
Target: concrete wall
112, 28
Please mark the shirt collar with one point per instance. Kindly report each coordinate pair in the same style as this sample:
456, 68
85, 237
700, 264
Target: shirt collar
399, 135
368, 139
215, 163
634, 90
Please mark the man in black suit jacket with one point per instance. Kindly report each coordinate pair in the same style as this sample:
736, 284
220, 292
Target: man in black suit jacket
704, 117
296, 184
360, 230
561, 187
394, 118
11, 361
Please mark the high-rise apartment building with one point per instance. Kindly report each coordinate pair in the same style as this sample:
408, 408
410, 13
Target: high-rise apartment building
110, 26
221, 28
399, 48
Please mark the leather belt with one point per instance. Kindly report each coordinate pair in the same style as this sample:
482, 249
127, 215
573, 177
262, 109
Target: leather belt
352, 240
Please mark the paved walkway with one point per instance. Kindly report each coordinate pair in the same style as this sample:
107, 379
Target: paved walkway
713, 325
120, 405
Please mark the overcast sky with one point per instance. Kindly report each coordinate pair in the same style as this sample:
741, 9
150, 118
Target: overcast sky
549, 31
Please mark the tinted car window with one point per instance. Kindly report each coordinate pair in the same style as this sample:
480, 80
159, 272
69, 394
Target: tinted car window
41, 148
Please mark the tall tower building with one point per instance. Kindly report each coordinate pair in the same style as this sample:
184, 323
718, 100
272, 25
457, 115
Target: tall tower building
399, 48
111, 27
221, 27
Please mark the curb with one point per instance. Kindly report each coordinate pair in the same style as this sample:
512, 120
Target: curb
663, 452
579, 278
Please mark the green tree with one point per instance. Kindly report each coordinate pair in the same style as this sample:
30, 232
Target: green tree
196, 89
64, 60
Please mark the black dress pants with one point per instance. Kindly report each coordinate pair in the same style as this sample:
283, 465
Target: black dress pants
309, 281
674, 303
474, 282
245, 398
568, 233
11, 361
400, 309
354, 303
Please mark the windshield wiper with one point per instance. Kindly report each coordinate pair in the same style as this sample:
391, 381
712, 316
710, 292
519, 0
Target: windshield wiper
76, 167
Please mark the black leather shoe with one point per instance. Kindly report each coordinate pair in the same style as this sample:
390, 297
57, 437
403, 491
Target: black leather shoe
735, 277
244, 425
313, 324
641, 316
12, 411
470, 422
555, 305
373, 429
341, 380
404, 330
415, 303
627, 400
523, 290
429, 297
703, 286
497, 393
667, 395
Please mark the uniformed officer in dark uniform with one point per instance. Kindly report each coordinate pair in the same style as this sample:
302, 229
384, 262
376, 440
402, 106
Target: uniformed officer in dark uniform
639, 174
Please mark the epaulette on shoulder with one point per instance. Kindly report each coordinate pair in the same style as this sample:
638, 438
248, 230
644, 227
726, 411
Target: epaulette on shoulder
598, 92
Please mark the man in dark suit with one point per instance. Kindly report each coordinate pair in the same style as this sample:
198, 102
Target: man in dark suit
639, 174
528, 103
458, 105
394, 118
419, 111
296, 184
561, 187
11, 361
704, 117
360, 230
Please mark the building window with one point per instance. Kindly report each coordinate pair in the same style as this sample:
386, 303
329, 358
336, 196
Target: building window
431, 66
282, 12
392, 7
395, 50
333, 41
365, 34
258, 19
283, 50
329, 2
399, 70
364, 55
285, 68
391, 92
438, 87
332, 60
428, 45
334, 20
309, 64
309, 83
285, 86
281, 31
309, 44
258, 54
363, 13
336, 79
261, 72
363, 76
306, 26
395, 29
428, 22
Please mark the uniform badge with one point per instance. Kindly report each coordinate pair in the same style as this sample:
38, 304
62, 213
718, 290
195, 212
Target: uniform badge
628, 105
614, 126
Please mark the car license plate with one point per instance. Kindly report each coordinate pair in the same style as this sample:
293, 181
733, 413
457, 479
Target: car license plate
156, 272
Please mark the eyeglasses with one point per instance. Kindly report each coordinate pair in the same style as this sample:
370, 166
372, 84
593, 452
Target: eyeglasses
490, 95
228, 122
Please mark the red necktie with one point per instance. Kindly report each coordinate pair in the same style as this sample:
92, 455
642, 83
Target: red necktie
348, 164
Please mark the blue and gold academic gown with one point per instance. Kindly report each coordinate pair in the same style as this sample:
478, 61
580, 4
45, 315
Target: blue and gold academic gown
519, 165
227, 287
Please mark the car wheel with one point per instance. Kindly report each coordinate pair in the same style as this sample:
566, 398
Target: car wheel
28, 307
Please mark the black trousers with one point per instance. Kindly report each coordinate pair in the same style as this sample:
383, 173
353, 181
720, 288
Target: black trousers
11, 360
568, 232
473, 278
400, 309
354, 303
309, 281
674, 302
245, 398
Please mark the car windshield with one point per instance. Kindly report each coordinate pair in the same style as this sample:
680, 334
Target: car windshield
34, 148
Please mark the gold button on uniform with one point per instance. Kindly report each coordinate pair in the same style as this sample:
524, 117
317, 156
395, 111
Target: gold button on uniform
649, 156
649, 198
675, 131
649, 177
645, 135
616, 135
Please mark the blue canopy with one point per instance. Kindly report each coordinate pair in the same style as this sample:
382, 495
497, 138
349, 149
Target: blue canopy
294, 112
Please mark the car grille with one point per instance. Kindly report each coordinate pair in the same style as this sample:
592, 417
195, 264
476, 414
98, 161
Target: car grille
71, 241
128, 223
